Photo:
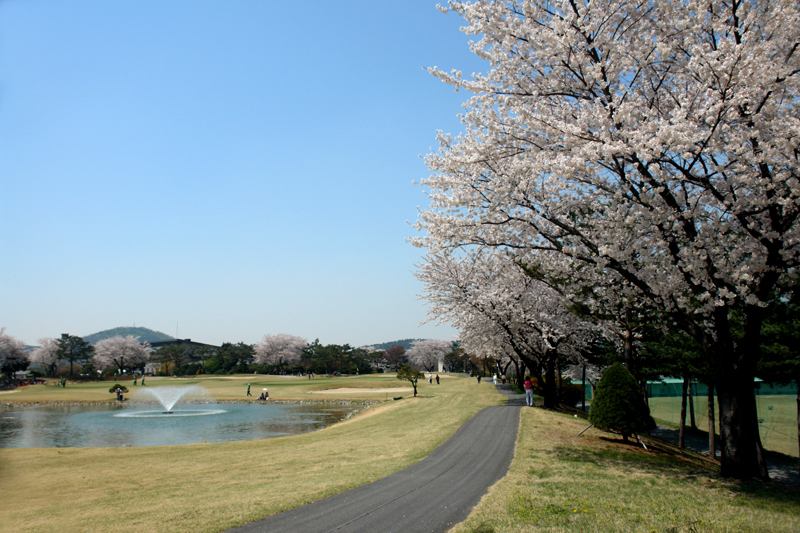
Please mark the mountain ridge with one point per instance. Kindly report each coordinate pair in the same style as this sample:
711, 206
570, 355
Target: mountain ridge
144, 334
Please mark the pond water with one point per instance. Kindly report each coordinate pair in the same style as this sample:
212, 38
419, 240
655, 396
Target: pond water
112, 425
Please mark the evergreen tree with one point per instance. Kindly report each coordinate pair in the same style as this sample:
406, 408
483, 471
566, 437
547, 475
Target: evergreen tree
73, 349
618, 404
411, 375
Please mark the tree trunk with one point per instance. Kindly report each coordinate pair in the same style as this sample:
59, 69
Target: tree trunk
628, 341
550, 384
692, 420
583, 398
518, 373
712, 446
742, 454
682, 433
559, 382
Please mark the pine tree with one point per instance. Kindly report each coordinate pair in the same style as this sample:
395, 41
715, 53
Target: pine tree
618, 404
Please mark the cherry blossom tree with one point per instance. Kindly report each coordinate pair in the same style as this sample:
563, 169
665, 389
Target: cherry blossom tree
501, 311
47, 355
429, 353
13, 355
650, 143
123, 352
280, 350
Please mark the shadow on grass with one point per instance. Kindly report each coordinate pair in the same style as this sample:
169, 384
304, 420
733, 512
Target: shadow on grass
667, 460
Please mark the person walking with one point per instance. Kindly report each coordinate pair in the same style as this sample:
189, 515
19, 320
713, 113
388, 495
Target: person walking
528, 391
494, 379
142, 380
248, 390
437, 379
479, 379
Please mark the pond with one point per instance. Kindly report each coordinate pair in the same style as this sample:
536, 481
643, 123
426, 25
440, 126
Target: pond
51, 426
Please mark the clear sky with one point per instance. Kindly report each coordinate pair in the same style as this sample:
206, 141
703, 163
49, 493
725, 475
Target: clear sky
219, 170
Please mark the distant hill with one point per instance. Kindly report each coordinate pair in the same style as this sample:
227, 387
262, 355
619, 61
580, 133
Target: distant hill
144, 334
407, 343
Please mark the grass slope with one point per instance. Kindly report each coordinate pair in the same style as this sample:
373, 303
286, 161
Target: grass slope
212, 487
559, 482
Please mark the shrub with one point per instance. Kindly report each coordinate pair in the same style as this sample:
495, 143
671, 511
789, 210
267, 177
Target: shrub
619, 405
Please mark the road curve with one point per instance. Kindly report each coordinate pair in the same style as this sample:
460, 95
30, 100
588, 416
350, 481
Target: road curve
430, 496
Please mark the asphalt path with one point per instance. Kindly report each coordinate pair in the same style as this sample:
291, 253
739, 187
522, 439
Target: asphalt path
429, 496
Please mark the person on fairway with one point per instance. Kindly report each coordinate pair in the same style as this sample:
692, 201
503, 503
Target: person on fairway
248, 390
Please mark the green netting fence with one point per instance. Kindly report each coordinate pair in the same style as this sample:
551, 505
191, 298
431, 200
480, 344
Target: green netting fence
777, 410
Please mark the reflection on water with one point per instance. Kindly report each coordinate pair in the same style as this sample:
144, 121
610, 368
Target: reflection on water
102, 426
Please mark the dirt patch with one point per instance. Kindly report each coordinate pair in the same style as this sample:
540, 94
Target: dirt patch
8, 391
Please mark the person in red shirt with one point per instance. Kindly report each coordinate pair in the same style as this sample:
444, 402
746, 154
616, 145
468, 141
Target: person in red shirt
528, 391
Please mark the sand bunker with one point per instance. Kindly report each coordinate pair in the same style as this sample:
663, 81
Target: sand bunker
356, 390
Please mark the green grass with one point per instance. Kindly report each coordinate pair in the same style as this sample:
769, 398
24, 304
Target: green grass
559, 482
778, 416
212, 487
220, 387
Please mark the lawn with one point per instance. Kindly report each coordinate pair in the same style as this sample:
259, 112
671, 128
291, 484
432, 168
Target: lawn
777, 419
212, 487
223, 388
559, 482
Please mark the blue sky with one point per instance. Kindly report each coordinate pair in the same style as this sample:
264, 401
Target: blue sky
220, 169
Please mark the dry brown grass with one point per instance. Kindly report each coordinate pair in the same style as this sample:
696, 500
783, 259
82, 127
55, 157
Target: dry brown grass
212, 487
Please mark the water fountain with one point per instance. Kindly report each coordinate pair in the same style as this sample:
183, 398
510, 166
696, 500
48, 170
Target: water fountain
168, 396
163, 423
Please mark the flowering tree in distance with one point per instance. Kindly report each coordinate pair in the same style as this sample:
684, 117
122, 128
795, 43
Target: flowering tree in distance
13, 355
46, 355
280, 349
653, 144
429, 353
501, 311
123, 352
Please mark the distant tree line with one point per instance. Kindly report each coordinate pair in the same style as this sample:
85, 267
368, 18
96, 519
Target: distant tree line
274, 354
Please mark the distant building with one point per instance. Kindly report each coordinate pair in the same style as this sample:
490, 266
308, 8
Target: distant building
189, 343
195, 351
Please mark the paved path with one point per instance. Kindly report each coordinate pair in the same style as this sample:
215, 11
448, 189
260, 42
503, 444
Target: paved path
430, 496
